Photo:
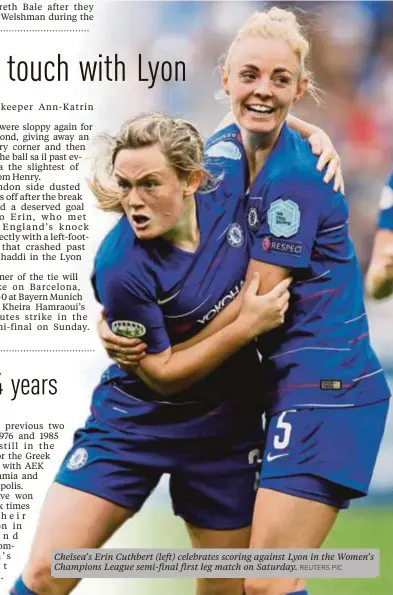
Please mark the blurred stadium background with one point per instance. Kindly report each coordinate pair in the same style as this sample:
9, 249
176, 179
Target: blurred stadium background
352, 57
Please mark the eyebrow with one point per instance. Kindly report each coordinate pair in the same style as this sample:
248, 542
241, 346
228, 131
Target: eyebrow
125, 178
277, 70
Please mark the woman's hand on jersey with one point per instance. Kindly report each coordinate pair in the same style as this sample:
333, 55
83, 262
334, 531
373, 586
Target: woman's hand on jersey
262, 313
126, 352
322, 145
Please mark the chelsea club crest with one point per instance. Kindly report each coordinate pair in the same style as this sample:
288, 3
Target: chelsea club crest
235, 235
252, 218
78, 459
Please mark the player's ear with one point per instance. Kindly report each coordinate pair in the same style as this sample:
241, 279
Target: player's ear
224, 79
301, 88
193, 182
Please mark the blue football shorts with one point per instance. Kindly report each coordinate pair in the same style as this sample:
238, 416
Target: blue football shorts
323, 454
213, 481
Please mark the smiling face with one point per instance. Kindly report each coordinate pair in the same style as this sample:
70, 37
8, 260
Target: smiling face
262, 80
152, 194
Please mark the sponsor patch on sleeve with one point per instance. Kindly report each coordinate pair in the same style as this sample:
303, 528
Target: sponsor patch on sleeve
283, 218
128, 328
283, 246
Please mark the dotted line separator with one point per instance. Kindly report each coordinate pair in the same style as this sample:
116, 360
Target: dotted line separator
45, 30
48, 350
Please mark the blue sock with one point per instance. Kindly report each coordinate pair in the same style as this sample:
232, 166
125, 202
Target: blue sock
298, 593
20, 588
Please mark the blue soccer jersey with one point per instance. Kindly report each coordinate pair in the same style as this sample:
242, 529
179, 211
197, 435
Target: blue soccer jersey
385, 217
167, 295
321, 356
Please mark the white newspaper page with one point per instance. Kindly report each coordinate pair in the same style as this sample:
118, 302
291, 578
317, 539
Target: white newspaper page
71, 72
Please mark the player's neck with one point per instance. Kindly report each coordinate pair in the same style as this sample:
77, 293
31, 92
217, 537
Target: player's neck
185, 234
258, 147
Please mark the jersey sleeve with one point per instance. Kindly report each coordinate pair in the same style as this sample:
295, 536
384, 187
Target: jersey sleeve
285, 221
113, 249
226, 160
132, 310
385, 216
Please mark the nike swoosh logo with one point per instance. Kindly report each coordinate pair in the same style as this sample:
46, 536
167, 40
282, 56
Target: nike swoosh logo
166, 300
271, 457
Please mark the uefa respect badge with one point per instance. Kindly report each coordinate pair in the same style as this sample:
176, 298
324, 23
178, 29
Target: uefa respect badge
283, 218
128, 328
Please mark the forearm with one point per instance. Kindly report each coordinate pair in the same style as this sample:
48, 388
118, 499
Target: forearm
184, 368
270, 278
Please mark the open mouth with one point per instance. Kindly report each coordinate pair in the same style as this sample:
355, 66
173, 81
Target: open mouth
261, 110
140, 221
